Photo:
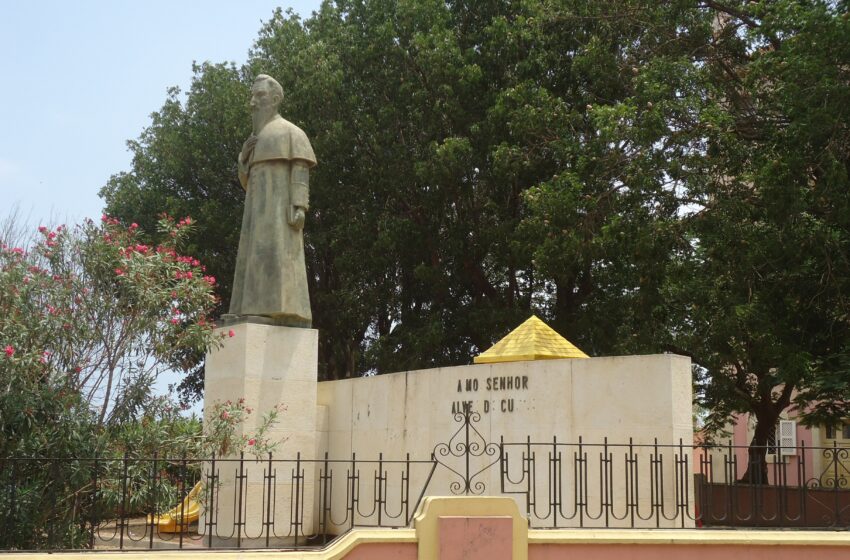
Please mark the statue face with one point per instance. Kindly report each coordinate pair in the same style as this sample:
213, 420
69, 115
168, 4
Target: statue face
262, 97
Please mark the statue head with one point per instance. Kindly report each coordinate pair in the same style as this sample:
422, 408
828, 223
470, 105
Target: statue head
266, 95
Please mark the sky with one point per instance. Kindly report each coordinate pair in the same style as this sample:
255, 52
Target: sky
80, 78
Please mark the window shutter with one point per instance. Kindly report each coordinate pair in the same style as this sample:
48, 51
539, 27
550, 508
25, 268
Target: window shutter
787, 437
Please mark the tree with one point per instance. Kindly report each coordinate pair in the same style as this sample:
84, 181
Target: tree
763, 290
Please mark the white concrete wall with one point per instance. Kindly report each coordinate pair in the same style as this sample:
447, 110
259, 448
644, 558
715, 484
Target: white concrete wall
638, 397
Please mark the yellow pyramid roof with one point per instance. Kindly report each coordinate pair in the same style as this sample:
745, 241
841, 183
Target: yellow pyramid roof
532, 340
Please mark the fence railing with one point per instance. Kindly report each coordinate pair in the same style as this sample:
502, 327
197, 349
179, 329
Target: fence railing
294, 502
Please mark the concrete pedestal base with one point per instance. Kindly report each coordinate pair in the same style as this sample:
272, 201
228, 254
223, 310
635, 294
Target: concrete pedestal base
268, 366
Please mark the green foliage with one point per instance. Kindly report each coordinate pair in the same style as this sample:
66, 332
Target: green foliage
88, 319
763, 290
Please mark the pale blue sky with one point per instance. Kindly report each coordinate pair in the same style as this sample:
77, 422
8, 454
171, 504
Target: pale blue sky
80, 78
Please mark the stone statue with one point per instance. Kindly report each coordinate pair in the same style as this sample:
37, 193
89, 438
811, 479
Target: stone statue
270, 284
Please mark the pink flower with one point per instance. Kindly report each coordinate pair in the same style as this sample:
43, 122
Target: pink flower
10, 350
231, 333
42, 229
252, 441
103, 217
189, 274
174, 320
119, 272
134, 225
17, 251
173, 295
77, 369
225, 415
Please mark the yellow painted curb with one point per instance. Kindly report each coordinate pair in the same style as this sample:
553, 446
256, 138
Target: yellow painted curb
688, 537
335, 551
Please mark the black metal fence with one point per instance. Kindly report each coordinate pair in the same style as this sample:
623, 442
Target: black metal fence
292, 502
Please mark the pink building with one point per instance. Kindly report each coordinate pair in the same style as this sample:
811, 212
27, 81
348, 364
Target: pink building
796, 455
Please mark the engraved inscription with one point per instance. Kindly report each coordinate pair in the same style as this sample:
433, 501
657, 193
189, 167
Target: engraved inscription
489, 384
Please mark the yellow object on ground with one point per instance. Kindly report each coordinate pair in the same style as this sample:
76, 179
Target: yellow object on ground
532, 340
189, 509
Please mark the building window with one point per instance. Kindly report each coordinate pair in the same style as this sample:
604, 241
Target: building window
771, 442
845, 431
830, 432
783, 438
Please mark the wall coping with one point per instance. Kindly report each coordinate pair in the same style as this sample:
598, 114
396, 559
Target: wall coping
776, 537
348, 542
334, 551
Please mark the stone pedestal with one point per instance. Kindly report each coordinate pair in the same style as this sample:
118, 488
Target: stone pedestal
268, 366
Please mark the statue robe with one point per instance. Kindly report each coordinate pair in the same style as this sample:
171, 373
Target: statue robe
271, 277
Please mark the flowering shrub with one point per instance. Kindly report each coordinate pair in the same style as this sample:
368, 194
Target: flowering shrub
223, 424
89, 317
94, 315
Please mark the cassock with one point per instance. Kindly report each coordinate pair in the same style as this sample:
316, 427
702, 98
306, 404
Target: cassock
271, 277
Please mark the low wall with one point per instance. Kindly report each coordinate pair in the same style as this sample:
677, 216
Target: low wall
493, 529
618, 400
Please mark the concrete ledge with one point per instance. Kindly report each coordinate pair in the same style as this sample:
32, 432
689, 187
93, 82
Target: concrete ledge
689, 537
346, 545
336, 550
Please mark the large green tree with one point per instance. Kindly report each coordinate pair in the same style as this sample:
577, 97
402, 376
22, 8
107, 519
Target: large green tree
764, 291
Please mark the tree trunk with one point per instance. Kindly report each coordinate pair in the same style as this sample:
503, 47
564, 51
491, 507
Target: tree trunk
756, 472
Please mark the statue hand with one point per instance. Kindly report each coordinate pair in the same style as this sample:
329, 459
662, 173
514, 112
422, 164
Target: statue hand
297, 217
247, 148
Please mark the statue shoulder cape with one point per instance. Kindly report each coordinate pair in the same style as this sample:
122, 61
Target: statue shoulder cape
280, 139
